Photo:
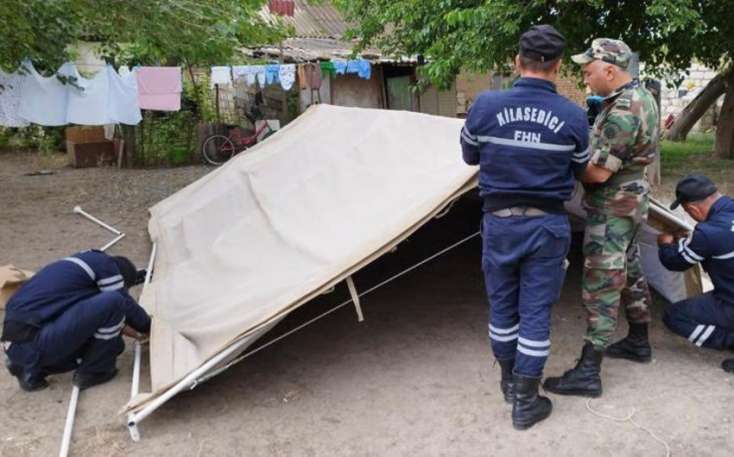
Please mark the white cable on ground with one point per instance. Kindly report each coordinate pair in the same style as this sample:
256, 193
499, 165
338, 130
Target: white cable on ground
630, 418
326, 313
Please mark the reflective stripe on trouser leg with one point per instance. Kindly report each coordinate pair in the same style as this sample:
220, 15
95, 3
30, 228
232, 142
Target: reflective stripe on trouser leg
636, 299
502, 286
703, 321
531, 356
540, 286
76, 333
504, 341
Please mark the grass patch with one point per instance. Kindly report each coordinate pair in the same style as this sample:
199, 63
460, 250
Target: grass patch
694, 154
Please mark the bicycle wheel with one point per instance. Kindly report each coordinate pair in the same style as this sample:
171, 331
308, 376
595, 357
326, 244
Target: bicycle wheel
217, 149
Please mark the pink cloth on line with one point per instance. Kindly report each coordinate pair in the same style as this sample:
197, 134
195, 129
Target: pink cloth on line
159, 88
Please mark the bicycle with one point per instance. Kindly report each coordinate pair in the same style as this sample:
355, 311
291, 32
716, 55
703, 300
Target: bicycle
217, 149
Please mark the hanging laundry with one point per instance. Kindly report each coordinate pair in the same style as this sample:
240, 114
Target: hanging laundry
44, 100
271, 73
327, 68
239, 73
10, 86
311, 75
259, 71
159, 88
221, 76
340, 65
287, 76
106, 98
361, 67
248, 73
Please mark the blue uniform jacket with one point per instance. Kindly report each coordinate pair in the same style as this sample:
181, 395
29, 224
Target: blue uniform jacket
61, 284
711, 244
529, 142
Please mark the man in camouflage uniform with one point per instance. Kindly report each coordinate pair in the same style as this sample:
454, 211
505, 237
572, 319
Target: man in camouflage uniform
624, 140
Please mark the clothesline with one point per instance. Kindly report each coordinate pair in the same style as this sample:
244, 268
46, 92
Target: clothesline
285, 74
112, 97
66, 97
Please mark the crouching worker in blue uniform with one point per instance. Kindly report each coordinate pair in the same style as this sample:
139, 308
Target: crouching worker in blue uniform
530, 143
706, 320
70, 316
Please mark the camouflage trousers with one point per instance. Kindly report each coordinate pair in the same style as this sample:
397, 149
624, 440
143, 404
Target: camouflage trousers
612, 275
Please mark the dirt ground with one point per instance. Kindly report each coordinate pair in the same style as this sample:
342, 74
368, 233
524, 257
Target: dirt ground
415, 378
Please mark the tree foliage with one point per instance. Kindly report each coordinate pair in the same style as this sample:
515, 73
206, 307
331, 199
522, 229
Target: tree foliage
199, 32
481, 35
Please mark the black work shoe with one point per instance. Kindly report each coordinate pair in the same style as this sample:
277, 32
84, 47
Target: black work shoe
528, 408
15, 370
634, 347
628, 349
26, 381
506, 382
728, 365
87, 380
583, 379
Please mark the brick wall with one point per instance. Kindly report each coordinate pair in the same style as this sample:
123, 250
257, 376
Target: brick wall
674, 99
470, 85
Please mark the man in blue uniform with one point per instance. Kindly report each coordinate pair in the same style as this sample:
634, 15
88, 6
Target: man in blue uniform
706, 320
70, 316
529, 143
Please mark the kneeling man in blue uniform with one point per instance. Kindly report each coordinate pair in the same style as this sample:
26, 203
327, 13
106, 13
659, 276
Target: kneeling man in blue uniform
706, 320
529, 143
71, 316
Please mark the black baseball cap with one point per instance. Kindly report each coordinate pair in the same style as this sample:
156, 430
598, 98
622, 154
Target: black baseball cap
693, 188
542, 43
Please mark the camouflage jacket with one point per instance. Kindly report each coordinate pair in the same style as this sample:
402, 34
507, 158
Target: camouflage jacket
624, 140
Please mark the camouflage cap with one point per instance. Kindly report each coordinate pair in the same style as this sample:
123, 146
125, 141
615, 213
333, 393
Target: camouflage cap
611, 51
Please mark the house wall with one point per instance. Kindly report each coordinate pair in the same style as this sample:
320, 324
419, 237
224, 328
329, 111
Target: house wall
470, 85
438, 102
351, 90
306, 98
674, 99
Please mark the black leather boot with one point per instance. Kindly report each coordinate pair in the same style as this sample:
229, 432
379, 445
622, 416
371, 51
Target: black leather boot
87, 380
506, 382
583, 379
26, 381
528, 408
635, 346
728, 365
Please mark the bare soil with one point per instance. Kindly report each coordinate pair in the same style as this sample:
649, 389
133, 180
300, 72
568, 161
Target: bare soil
415, 378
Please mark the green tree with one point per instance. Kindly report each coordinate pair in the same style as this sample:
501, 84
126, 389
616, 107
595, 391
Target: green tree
481, 35
199, 32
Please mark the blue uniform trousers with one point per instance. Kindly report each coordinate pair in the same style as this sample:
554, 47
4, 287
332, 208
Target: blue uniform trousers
704, 320
87, 336
523, 262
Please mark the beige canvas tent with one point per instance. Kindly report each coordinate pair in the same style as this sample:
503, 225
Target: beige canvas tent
239, 249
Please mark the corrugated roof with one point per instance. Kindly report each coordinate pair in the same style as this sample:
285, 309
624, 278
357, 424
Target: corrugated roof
318, 36
313, 21
312, 49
